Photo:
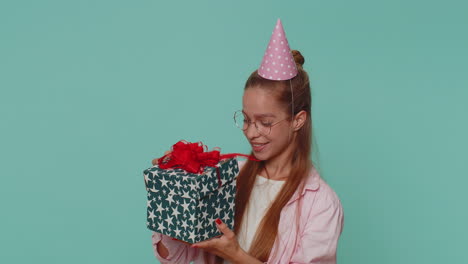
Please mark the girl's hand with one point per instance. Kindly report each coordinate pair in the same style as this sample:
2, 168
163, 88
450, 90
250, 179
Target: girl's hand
187, 243
225, 246
155, 161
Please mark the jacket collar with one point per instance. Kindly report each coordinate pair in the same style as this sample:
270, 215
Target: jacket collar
312, 183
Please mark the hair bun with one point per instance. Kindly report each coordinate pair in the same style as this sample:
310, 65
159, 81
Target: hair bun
298, 58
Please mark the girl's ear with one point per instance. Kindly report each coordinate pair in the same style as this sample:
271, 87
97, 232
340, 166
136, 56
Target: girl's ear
299, 120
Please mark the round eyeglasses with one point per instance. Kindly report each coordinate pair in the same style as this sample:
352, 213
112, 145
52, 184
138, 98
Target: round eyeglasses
263, 127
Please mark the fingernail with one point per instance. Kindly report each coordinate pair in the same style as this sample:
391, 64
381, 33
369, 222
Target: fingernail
194, 246
218, 221
173, 238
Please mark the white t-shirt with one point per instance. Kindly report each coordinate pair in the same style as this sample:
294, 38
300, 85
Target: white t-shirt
263, 193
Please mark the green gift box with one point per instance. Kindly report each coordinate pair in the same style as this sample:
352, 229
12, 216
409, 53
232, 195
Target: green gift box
185, 205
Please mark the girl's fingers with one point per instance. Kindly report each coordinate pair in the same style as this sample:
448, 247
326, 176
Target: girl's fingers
155, 161
204, 244
224, 229
187, 243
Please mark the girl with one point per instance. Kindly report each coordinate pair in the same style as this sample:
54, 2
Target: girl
285, 212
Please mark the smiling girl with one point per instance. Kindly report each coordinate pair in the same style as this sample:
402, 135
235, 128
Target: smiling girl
284, 212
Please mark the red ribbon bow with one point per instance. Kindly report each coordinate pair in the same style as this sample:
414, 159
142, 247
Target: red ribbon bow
192, 158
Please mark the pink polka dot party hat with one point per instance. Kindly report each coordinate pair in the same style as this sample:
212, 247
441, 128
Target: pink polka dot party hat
278, 62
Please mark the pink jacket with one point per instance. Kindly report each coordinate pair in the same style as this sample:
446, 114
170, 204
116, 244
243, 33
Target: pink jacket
320, 226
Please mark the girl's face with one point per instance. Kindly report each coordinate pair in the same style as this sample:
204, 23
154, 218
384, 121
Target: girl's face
260, 106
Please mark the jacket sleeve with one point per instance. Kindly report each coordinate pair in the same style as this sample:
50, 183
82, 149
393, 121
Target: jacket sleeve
319, 240
178, 252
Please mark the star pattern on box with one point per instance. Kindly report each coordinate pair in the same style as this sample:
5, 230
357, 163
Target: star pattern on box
184, 205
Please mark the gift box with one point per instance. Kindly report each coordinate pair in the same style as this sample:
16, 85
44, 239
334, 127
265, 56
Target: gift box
185, 205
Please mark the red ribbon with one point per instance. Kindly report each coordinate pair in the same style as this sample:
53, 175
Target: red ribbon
192, 158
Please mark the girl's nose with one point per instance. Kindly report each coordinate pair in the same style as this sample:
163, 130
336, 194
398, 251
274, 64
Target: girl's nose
251, 131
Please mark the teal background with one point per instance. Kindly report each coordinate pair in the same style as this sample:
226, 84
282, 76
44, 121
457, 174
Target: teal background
92, 91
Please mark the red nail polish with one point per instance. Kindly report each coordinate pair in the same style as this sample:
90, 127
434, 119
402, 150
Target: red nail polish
218, 221
194, 246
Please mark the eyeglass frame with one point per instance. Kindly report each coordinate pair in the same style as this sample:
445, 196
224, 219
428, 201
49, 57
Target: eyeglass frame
255, 123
